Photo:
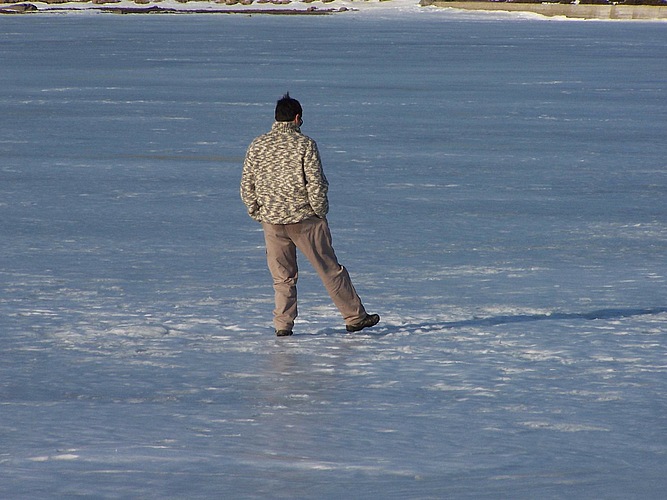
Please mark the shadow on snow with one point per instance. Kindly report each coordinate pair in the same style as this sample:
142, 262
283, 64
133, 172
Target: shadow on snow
600, 314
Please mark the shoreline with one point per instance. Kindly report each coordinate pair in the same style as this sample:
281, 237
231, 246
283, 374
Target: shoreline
325, 7
247, 7
573, 11
30, 8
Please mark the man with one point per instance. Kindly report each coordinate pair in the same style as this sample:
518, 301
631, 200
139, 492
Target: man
284, 187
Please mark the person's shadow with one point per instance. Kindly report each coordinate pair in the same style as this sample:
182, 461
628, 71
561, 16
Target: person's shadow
603, 314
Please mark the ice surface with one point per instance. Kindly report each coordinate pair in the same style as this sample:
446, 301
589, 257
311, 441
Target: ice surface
498, 194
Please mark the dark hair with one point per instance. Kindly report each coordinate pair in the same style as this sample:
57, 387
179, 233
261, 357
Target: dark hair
287, 109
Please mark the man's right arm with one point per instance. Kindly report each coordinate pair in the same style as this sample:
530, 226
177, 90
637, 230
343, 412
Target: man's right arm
248, 194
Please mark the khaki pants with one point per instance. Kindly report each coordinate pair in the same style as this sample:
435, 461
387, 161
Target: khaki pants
313, 238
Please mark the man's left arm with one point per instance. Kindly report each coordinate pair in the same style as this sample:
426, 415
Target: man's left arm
316, 182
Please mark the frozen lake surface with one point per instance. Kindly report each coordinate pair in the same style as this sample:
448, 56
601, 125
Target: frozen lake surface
498, 190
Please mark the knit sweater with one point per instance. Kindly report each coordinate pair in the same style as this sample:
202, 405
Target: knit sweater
283, 181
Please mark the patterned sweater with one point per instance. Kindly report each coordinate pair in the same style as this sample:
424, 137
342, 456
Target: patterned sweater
283, 181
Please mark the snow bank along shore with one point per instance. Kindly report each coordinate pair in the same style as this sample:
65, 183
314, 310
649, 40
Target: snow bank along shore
572, 10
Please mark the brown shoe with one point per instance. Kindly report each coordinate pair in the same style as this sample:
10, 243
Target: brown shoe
367, 322
283, 333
